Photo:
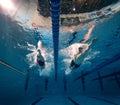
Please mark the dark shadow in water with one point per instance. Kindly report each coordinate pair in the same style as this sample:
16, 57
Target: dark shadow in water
75, 103
101, 65
107, 101
37, 101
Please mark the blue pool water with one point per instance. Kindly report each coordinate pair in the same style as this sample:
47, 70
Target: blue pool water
17, 49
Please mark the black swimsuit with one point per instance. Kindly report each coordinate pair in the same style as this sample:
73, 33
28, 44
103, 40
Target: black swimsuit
40, 62
74, 64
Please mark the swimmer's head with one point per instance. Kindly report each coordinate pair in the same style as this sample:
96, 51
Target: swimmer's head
80, 49
39, 44
38, 50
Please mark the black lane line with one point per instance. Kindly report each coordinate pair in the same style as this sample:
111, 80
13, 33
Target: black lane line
46, 83
37, 101
115, 58
117, 80
27, 79
107, 101
100, 81
75, 103
83, 82
108, 75
65, 82
84, 74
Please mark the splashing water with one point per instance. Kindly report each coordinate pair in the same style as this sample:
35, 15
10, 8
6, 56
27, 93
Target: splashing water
32, 59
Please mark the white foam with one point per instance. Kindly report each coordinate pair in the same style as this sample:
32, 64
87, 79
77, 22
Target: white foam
68, 71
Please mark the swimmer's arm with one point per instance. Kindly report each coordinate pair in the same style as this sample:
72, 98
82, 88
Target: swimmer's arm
87, 36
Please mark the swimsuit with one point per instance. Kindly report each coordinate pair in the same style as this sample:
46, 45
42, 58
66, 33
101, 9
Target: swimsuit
73, 64
40, 62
